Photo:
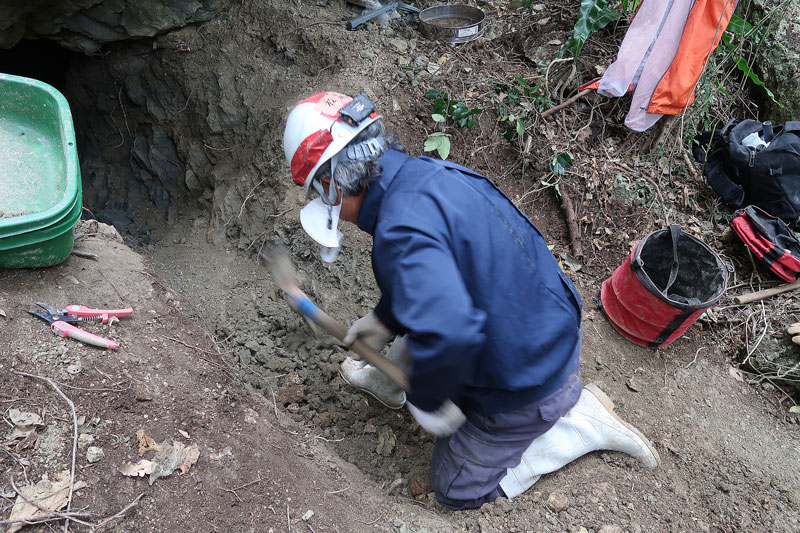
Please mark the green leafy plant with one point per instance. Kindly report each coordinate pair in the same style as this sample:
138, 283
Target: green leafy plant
593, 15
445, 109
438, 141
518, 102
738, 33
455, 110
560, 164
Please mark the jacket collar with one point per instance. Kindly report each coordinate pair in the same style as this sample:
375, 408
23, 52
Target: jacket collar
391, 162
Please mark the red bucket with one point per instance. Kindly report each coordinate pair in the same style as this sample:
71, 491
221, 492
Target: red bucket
663, 287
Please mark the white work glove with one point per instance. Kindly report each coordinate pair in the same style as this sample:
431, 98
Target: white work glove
443, 422
369, 330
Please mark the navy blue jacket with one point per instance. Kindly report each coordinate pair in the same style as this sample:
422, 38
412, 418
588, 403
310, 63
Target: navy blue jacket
491, 321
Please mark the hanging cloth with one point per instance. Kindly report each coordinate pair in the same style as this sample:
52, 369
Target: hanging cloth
656, 64
634, 50
663, 55
704, 29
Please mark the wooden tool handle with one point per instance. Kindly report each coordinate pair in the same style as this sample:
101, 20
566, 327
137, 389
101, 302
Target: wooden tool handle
371, 356
306, 307
766, 293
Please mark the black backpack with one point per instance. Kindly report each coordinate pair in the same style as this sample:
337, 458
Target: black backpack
765, 176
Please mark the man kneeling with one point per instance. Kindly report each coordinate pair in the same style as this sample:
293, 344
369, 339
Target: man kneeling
488, 325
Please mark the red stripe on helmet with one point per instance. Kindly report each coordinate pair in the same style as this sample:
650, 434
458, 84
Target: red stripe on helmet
313, 99
308, 154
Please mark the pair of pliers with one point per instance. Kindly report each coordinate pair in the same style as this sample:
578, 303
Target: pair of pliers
61, 322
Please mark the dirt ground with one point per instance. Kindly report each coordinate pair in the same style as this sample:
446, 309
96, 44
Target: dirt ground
212, 350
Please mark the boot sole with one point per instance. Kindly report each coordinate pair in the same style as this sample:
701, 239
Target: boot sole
394, 407
609, 405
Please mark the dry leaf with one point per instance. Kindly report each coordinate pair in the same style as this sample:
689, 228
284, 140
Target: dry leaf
554, 42
24, 418
167, 459
49, 495
190, 457
146, 443
140, 469
736, 373
28, 442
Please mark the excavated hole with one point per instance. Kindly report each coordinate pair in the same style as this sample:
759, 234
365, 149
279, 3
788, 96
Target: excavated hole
184, 197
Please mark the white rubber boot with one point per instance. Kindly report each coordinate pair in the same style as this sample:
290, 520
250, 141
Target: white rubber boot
369, 379
590, 425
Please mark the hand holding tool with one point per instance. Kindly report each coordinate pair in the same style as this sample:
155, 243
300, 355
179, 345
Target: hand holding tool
61, 322
284, 274
370, 330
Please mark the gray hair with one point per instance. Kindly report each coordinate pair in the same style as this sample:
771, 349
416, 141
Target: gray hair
353, 177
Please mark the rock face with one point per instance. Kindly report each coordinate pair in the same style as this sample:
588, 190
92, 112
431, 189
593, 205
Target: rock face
86, 25
777, 59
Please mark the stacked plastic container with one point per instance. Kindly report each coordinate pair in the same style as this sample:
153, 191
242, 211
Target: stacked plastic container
40, 183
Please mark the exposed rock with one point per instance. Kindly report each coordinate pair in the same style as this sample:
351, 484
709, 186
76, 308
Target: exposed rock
86, 25
557, 502
777, 61
419, 485
94, 454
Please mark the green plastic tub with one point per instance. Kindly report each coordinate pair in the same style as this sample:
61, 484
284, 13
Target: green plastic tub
40, 185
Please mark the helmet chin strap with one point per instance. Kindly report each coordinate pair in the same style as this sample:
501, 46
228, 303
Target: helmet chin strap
332, 196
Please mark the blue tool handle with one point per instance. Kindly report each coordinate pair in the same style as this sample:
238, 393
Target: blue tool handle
369, 15
306, 307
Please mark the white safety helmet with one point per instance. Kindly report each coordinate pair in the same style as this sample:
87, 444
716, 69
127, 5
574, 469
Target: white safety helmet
317, 132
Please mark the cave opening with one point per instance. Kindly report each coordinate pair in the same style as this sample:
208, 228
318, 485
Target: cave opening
123, 164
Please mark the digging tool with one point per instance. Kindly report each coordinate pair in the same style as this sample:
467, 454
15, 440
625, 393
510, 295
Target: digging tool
766, 293
284, 274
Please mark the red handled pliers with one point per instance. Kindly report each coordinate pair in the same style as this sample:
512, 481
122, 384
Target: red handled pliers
61, 322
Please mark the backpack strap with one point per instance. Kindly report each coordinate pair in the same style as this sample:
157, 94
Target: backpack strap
714, 170
792, 126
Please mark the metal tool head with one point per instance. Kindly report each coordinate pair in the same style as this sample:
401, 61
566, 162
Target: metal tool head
50, 313
280, 265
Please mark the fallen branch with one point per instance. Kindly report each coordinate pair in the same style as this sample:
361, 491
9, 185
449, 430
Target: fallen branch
690, 166
572, 223
121, 513
51, 517
566, 103
85, 255
62, 515
74, 437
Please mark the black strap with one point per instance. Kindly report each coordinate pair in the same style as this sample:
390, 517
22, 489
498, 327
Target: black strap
675, 232
673, 325
732, 193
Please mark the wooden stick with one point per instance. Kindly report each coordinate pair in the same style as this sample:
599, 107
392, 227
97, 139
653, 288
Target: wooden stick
74, 437
564, 104
766, 293
572, 223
